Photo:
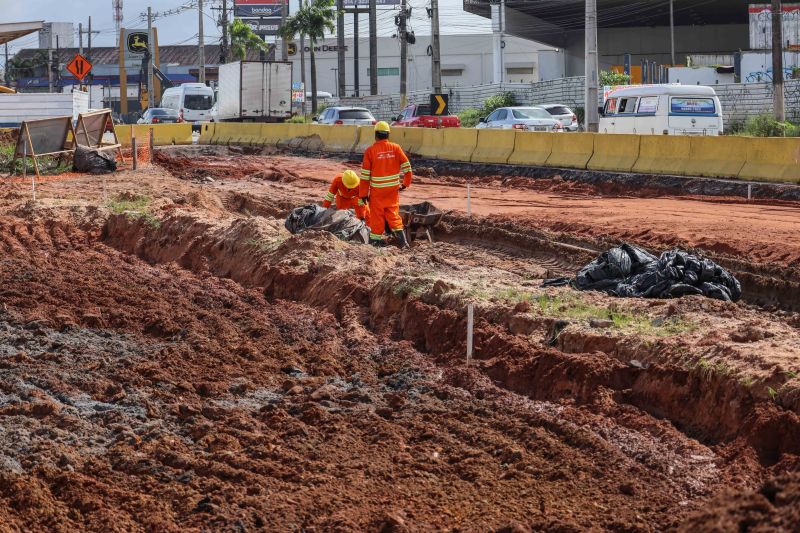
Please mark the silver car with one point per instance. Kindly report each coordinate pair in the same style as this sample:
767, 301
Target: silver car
345, 115
521, 118
565, 115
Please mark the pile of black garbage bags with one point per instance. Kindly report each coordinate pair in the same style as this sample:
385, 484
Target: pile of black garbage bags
340, 222
629, 271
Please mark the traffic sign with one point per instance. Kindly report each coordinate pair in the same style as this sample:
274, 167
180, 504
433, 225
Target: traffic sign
79, 67
439, 104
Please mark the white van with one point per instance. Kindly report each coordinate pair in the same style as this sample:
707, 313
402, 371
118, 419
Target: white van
663, 110
193, 101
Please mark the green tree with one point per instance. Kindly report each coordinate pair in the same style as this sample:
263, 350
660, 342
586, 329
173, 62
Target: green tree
26, 68
311, 20
243, 39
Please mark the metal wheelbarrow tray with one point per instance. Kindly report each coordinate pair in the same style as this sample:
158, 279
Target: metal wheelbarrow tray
420, 218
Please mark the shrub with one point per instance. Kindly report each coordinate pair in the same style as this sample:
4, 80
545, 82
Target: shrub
613, 78
767, 126
297, 119
498, 100
470, 118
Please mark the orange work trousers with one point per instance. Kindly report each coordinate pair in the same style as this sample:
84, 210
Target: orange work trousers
384, 207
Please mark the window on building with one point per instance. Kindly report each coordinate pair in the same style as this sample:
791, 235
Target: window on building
519, 71
386, 71
452, 72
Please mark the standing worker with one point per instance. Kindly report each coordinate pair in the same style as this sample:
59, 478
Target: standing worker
345, 190
384, 163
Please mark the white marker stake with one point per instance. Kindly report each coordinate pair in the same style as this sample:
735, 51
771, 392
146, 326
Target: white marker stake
469, 203
470, 314
749, 192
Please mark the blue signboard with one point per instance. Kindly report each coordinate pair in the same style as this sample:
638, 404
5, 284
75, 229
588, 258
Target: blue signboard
257, 8
693, 106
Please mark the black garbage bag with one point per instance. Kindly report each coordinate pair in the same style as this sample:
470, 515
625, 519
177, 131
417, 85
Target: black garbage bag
94, 161
630, 271
340, 222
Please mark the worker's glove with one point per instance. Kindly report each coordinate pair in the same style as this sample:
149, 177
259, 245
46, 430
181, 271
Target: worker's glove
364, 200
403, 187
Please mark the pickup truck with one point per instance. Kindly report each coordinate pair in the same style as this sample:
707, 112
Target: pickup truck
419, 116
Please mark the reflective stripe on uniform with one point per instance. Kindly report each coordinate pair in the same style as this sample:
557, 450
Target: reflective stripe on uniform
394, 183
405, 166
375, 237
365, 174
329, 196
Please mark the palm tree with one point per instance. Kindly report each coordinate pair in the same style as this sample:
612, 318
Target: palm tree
243, 39
311, 20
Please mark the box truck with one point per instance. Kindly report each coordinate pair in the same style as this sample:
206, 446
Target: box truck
254, 91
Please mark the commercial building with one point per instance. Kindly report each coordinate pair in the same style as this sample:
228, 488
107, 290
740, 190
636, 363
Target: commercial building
466, 61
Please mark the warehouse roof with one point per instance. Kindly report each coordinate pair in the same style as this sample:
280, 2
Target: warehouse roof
183, 55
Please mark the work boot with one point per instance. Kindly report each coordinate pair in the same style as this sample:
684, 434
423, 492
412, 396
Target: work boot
402, 241
378, 243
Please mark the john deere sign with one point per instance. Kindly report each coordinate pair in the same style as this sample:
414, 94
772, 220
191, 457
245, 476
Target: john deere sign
137, 42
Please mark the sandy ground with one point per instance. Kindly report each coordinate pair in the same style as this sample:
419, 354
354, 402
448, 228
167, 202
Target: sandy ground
174, 360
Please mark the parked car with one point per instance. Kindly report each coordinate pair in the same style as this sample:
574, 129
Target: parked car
345, 115
521, 118
565, 115
663, 110
160, 115
420, 116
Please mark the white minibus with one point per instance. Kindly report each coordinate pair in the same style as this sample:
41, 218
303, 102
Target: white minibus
193, 101
663, 110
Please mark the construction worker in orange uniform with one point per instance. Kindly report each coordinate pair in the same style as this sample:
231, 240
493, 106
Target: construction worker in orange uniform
384, 164
345, 190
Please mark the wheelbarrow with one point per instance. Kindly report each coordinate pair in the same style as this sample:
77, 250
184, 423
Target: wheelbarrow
420, 219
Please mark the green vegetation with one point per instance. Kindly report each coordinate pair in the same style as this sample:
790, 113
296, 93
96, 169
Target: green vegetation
790, 374
613, 78
243, 40
767, 126
772, 394
470, 117
48, 165
708, 369
298, 119
134, 206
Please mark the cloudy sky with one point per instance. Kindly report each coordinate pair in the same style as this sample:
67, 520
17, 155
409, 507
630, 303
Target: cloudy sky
182, 28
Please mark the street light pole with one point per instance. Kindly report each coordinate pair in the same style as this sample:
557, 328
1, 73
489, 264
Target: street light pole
777, 60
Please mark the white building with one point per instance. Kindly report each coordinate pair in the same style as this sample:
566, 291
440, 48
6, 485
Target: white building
466, 61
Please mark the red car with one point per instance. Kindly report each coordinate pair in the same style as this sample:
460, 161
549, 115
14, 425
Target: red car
419, 116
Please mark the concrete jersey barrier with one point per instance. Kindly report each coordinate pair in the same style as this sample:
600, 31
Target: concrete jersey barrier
531, 148
494, 146
663, 154
458, 143
571, 150
772, 159
716, 157
163, 134
614, 153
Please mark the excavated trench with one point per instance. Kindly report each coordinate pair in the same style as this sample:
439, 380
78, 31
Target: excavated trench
595, 372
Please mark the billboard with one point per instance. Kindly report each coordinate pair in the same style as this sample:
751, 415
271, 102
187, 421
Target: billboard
257, 8
365, 3
264, 26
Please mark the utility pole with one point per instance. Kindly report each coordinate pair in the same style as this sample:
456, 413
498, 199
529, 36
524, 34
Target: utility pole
777, 60
373, 47
80, 38
672, 29
223, 52
340, 66
284, 14
151, 94
592, 67
356, 74
5, 68
436, 61
402, 34
498, 63
50, 69
201, 49
303, 63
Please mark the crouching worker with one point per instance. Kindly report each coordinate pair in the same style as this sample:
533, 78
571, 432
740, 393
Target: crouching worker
345, 190
381, 171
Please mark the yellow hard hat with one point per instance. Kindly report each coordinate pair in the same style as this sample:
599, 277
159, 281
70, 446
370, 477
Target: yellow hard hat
382, 127
350, 179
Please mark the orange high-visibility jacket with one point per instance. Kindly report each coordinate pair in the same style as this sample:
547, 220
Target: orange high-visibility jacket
345, 198
384, 163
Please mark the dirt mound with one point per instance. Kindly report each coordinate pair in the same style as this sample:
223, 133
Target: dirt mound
8, 135
775, 506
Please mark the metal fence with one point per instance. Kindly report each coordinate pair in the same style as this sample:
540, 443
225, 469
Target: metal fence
739, 100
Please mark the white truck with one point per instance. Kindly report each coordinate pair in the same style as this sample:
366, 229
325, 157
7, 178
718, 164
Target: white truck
16, 107
254, 91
